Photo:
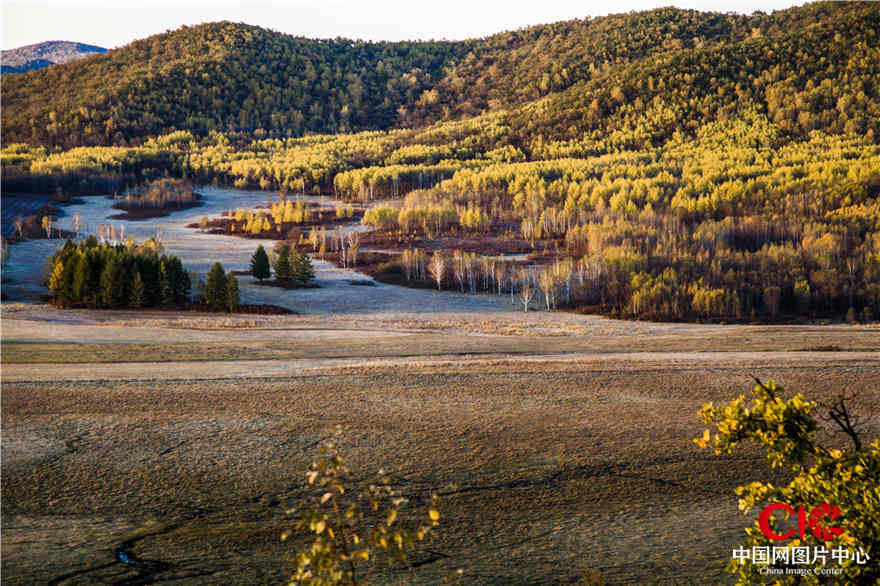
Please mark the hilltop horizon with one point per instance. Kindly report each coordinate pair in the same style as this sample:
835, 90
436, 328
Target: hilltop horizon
336, 21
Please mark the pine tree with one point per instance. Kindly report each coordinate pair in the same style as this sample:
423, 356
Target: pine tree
71, 267
184, 284
81, 289
110, 282
164, 282
302, 268
138, 295
232, 295
282, 264
215, 287
178, 281
95, 266
260, 264
148, 267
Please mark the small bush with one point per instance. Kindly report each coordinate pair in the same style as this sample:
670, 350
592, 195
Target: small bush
354, 532
391, 267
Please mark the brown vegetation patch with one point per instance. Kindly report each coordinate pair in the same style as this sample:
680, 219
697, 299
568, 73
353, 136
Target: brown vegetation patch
230, 227
32, 226
145, 213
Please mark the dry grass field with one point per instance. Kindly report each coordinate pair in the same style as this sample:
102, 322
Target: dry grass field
560, 444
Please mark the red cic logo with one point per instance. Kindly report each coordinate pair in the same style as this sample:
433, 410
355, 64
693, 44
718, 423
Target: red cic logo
817, 520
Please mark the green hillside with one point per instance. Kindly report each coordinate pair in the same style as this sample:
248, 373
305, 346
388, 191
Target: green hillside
520, 66
221, 76
651, 72
818, 72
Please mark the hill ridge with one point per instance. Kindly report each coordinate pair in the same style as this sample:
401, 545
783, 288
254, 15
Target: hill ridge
247, 79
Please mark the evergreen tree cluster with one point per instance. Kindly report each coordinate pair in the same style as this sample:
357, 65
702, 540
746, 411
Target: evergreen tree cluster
104, 276
221, 289
291, 266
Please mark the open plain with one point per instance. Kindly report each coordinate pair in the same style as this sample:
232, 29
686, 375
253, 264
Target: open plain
560, 445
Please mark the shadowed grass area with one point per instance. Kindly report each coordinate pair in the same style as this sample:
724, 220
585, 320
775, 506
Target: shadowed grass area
546, 474
560, 445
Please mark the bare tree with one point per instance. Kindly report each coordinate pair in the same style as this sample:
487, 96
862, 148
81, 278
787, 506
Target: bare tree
500, 272
838, 412
77, 224
472, 265
338, 244
354, 246
407, 260
352, 253
511, 276
547, 283
525, 295
458, 268
47, 226
420, 256
437, 268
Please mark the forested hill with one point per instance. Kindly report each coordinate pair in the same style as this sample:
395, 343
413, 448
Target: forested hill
641, 75
815, 67
222, 76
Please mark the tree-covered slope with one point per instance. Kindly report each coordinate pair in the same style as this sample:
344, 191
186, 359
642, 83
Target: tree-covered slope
734, 177
515, 67
628, 79
221, 76
818, 72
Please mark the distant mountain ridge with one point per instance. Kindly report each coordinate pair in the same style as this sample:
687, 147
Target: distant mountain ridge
46, 54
